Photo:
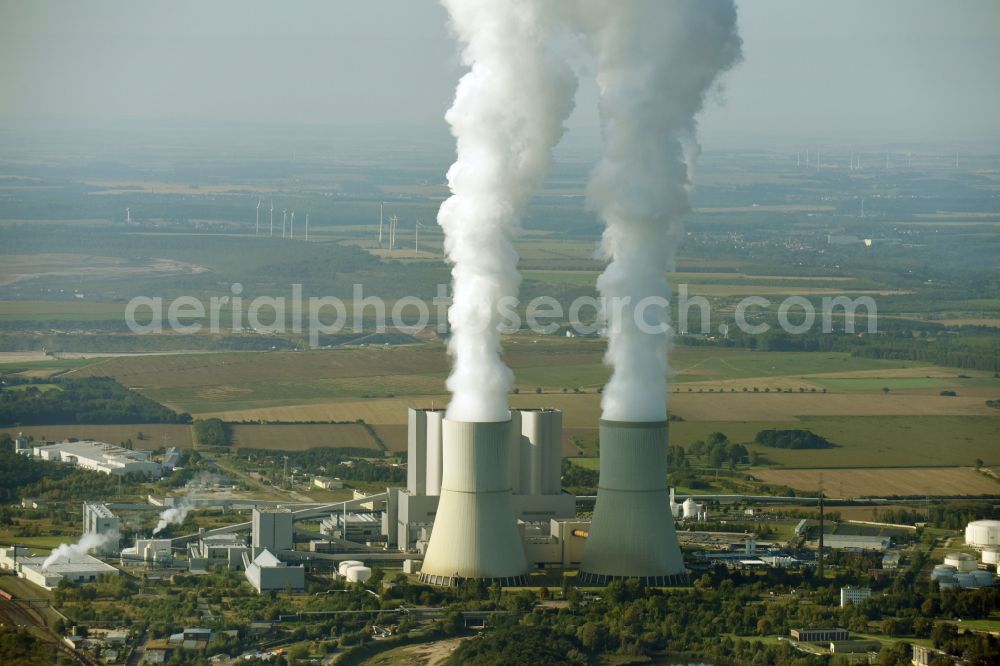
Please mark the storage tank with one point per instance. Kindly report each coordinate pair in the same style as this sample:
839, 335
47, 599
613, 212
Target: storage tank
347, 564
475, 532
982, 578
690, 508
991, 556
943, 571
358, 574
632, 533
963, 562
983, 533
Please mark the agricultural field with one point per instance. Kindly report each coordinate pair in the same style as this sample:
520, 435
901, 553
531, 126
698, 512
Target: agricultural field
301, 436
885, 482
143, 435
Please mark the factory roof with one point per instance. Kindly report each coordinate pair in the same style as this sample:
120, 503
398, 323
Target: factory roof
71, 565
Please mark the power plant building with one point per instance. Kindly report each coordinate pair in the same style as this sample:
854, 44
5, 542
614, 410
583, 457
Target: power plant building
632, 533
266, 572
272, 529
529, 477
98, 519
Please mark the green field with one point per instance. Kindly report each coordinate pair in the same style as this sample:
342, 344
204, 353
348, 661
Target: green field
878, 383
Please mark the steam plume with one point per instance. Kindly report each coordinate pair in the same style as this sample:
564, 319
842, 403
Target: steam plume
655, 63
507, 115
175, 515
66, 552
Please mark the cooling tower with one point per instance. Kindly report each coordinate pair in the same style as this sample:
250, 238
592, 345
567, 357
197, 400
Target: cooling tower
632, 532
475, 532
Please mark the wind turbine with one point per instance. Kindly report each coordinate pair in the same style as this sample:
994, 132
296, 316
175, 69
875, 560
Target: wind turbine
380, 204
292, 229
416, 237
272, 217
128, 217
393, 221
257, 231
307, 227
284, 221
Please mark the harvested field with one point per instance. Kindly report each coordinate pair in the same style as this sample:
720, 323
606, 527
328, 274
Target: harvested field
393, 436
885, 482
154, 435
301, 436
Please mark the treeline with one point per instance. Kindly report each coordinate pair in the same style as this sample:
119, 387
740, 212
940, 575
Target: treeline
578, 480
931, 344
792, 439
210, 432
347, 463
78, 401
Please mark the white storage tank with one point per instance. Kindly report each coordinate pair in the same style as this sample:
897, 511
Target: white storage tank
358, 574
963, 562
690, 508
983, 533
347, 564
991, 556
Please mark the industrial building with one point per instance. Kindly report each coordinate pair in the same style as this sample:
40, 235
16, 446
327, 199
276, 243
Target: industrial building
98, 519
148, 551
519, 464
100, 457
272, 529
819, 635
266, 572
74, 569
353, 526
632, 533
858, 543
226, 549
854, 595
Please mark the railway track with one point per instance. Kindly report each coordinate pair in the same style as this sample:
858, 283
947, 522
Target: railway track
20, 614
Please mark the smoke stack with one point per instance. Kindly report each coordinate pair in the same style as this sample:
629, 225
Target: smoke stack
632, 532
475, 532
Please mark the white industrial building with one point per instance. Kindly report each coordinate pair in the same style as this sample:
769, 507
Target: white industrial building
632, 533
856, 543
98, 519
962, 562
74, 569
100, 457
353, 526
148, 551
266, 572
327, 483
983, 533
226, 549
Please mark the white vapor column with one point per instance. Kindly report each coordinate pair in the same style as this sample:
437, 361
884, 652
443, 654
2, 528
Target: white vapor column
508, 113
655, 63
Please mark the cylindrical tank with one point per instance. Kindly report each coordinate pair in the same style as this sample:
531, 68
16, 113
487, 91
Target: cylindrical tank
963, 562
632, 532
358, 574
982, 578
991, 556
690, 508
983, 533
475, 532
434, 463
943, 571
347, 564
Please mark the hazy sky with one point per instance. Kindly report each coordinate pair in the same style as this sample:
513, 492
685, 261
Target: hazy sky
892, 69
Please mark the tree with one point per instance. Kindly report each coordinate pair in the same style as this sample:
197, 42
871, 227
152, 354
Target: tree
885, 390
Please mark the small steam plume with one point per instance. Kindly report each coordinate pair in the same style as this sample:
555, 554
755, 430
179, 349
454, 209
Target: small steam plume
175, 515
66, 552
655, 62
508, 114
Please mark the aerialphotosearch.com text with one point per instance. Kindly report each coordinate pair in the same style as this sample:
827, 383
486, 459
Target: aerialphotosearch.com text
316, 316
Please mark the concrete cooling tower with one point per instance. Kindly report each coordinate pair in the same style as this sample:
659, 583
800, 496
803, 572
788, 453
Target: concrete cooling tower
632, 532
475, 532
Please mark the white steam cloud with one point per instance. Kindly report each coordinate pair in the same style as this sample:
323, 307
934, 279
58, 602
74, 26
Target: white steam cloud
508, 114
655, 62
175, 515
67, 551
